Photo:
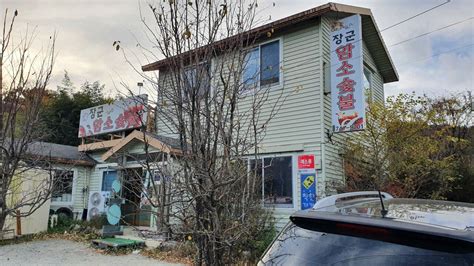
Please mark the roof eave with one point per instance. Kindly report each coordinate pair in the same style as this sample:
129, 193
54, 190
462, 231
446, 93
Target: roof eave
389, 73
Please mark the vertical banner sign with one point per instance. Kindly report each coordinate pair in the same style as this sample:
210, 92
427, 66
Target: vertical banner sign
308, 190
347, 86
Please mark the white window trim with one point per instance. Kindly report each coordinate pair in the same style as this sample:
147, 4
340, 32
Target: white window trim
73, 189
193, 66
294, 178
273, 86
102, 171
369, 70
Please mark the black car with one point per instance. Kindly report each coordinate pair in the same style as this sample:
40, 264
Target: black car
372, 228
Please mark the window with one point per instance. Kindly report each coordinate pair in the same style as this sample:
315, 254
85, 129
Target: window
196, 81
326, 78
270, 63
262, 65
107, 179
62, 189
250, 68
367, 85
277, 181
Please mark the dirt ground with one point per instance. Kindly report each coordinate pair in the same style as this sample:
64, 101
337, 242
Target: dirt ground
65, 252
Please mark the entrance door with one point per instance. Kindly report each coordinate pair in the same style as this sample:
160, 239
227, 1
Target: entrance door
133, 212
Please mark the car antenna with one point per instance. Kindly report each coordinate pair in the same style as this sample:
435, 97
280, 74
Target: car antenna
383, 211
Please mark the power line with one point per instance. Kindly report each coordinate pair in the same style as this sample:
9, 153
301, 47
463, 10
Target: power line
398, 23
427, 33
398, 43
435, 55
414, 16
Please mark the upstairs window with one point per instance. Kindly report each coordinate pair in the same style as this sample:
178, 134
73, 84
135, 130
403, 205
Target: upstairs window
251, 68
196, 81
262, 65
367, 85
270, 63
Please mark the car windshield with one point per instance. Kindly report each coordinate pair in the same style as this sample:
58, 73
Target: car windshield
298, 246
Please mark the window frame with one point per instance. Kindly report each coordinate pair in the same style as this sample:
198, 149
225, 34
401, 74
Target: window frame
294, 174
117, 177
73, 188
193, 67
369, 97
258, 86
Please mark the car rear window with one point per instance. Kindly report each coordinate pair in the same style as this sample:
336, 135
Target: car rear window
298, 246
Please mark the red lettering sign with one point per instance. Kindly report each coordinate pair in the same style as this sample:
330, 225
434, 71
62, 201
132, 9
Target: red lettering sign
344, 52
306, 161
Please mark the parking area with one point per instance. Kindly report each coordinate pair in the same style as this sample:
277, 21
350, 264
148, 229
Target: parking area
65, 252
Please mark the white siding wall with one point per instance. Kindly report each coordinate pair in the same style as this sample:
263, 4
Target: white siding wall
301, 123
298, 122
80, 182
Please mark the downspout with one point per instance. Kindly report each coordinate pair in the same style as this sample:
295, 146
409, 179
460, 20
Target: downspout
322, 98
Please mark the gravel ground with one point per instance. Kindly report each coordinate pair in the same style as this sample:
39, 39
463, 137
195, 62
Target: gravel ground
65, 252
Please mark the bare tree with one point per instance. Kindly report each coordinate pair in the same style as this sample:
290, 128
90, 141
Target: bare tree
217, 110
24, 75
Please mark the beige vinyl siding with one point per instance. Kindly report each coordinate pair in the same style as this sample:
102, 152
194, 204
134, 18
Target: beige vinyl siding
164, 124
298, 120
376, 79
80, 182
138, 147
95, 183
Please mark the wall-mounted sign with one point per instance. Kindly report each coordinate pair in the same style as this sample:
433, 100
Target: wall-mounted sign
117, 116
308, 190
347, 86
306, 161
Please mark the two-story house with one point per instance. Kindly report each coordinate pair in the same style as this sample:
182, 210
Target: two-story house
300, 47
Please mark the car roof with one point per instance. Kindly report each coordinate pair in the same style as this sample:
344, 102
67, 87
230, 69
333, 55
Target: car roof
442, 218
436, 213
321, 220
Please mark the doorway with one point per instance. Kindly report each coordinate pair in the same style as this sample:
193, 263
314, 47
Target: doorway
134, 213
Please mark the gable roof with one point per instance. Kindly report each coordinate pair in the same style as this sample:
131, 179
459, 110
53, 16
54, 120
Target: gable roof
162, 143
371, 36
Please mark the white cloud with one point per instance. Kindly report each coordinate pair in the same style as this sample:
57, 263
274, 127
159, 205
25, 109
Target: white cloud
87, 29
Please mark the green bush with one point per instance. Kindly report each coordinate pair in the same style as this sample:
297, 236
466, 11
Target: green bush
67, 224
63, 224
96, 222
262, 241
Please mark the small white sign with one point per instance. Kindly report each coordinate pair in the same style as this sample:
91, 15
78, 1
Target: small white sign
347, 86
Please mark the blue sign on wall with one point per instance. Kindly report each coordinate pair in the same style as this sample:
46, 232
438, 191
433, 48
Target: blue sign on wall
308, 190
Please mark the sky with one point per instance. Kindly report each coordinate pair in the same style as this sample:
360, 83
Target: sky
438, 64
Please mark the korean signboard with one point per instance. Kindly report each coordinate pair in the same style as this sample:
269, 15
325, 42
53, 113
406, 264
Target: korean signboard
306, 161
347, 87
308, 190
117, 116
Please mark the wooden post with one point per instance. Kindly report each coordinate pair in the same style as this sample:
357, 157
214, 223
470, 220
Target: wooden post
18, 223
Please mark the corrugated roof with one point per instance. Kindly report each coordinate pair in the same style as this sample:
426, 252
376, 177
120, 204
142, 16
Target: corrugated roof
60, 153
371, 36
